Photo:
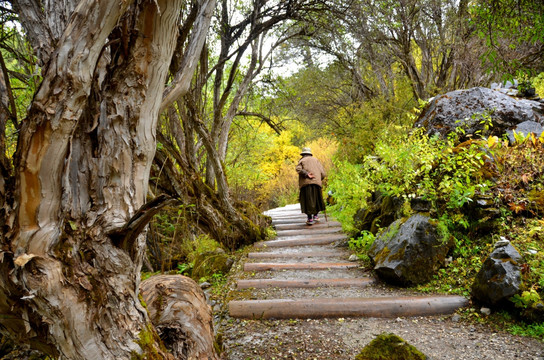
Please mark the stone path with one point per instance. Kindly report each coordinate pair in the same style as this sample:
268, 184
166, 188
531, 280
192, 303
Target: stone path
304, 273
320, 314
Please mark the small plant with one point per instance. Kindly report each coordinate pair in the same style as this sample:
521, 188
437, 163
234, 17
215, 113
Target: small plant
527, 299
525, 86
218, 278
362, 244
184, 269
535, 330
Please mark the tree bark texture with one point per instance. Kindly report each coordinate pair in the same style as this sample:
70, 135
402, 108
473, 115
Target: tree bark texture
72, 246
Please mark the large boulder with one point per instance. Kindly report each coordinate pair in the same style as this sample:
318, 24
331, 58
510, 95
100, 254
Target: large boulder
500, 275
409, 253
464, 108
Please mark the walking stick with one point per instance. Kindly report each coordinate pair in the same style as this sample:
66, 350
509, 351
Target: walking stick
325, 212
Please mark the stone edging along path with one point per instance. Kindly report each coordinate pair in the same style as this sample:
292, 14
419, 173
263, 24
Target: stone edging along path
305, 263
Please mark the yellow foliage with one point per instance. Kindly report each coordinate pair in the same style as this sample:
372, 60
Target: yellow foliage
492, 141
282, 185
261, 164
324, 150
282, 152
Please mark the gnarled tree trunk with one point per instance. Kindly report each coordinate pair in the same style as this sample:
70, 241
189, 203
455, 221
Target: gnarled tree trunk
72, 245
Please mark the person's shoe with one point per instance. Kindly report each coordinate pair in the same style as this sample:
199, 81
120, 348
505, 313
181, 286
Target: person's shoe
310, 222
316, 218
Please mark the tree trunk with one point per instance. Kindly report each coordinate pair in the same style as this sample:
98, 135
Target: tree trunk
7, 111
74, 246
177, 177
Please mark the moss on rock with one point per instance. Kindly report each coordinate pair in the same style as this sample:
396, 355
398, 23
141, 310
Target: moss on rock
388, 346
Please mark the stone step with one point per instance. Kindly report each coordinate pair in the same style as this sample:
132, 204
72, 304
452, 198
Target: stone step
300, 220
386, 307
309, 230
283, 213
315, 240
305, 254
301, 225
348, 273
286, 220
293, 207
298, 266
301, 283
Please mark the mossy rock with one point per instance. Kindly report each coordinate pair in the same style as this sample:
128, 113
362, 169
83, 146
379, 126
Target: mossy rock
390, 347
381, 212
409, 252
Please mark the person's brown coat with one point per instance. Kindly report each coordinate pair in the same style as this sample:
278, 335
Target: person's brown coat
310, 165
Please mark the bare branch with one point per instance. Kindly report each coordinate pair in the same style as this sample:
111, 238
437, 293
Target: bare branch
182, 80
277, 128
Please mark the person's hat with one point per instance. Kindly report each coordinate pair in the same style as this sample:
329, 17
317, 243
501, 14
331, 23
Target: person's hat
306, 151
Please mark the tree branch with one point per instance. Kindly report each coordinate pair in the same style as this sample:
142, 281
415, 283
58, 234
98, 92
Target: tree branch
125, 237
182, 79
277, 128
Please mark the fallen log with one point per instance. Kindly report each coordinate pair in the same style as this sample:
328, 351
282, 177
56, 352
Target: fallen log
302, 254
386, 307
177, 308
302, 241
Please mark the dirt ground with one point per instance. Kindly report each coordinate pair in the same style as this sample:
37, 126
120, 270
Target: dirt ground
439, 337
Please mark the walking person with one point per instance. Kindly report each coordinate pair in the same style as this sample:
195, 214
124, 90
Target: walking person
310, 176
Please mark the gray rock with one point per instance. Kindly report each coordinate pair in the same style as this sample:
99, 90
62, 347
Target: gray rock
525, 128
409, 253
500, 275
502, 242
205, 285
419, 204
505, 85
353, 257
486, 311
447, 112
381, 212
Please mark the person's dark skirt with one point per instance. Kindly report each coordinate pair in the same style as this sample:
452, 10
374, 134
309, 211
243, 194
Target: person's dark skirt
311, 199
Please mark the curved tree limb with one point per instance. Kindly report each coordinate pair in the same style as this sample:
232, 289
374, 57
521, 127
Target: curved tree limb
182, 79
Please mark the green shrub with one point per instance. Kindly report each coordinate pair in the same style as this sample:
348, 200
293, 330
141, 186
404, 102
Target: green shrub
408, 166
361, 244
